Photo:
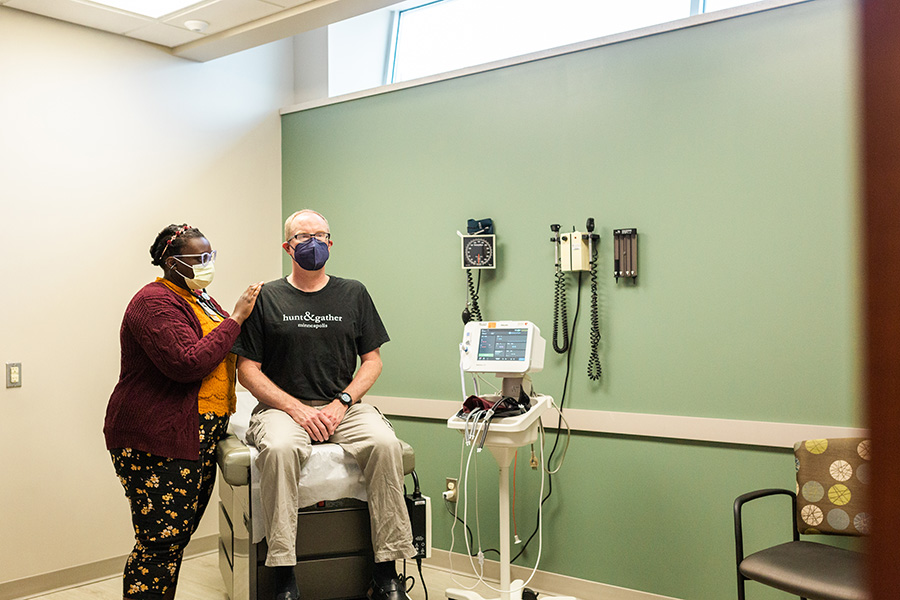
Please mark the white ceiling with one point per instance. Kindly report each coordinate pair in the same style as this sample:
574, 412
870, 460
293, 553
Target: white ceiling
234, 25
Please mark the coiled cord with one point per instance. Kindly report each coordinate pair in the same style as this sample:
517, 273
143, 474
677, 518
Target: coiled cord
559, 313
475, 310
593, 369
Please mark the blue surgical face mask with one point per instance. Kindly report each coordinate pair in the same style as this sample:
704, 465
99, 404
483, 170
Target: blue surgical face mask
311, 255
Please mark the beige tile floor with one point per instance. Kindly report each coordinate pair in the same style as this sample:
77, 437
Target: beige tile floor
200, 580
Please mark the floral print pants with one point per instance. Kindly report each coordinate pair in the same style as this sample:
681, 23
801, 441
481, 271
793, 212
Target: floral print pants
168, 497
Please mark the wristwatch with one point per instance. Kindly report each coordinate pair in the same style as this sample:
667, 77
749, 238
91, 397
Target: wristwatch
345, 399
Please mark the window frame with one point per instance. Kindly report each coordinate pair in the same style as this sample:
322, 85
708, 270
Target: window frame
696, 7
670, 26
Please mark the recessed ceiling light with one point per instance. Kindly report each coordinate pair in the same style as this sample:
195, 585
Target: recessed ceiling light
149, 8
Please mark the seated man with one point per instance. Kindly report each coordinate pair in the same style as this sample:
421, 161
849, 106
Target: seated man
297, 354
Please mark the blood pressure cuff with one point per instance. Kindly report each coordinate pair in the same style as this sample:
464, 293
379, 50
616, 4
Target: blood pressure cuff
504, 407
480, 226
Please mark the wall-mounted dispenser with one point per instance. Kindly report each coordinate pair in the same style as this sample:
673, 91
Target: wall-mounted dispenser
625, 253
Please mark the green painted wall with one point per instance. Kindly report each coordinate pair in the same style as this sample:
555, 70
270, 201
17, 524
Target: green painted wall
731, 147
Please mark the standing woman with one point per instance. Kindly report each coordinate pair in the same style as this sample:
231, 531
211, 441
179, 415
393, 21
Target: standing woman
171, 405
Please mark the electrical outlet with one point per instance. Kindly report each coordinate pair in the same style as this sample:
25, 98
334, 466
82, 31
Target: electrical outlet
451, 490
13, 375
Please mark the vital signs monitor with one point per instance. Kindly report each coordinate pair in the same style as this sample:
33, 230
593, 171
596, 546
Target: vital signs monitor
512, 350
502, 347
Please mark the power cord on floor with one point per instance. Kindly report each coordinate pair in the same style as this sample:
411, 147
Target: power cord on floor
447, 504
421, 577
409, 582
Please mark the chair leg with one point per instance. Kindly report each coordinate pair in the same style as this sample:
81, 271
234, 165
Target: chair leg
740, 584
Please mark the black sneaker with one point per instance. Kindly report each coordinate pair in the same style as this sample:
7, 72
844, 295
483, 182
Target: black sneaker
392, 590
286, 584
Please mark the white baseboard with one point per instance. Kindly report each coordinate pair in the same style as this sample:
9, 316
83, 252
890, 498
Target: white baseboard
54, 581
543, 581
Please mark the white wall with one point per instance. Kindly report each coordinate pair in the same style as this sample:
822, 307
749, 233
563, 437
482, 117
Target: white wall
311, 65
357, 51
104, 141
343, 57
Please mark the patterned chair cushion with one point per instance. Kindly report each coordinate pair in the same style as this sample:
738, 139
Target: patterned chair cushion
832, 485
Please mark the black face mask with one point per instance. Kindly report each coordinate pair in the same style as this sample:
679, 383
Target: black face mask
311, 255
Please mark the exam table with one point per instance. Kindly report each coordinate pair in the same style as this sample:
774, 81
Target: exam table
333, 494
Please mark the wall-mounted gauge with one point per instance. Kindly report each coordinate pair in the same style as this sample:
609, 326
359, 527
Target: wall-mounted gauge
479, 252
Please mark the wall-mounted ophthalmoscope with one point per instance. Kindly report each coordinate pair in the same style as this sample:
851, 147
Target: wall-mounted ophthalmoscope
576, 251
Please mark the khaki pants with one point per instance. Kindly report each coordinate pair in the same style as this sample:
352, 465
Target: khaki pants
284, 446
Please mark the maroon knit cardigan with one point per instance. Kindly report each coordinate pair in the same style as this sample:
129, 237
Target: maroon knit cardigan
164, 360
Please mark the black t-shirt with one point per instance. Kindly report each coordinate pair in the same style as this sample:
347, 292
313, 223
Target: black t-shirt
308, 342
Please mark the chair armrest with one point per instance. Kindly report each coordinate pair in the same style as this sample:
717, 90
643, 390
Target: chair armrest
743, 499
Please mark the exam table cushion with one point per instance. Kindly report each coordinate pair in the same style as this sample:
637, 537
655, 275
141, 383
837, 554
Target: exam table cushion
234, 459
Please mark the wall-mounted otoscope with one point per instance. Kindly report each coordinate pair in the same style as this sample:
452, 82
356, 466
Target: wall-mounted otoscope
575, 251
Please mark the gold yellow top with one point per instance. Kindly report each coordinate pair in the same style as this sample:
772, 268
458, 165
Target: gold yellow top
217, 390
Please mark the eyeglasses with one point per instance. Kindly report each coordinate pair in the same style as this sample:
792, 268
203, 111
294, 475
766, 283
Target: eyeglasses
322, 236
202, 259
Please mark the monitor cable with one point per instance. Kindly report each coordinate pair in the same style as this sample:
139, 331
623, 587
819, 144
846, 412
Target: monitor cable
559, 428
479, 571
447, 504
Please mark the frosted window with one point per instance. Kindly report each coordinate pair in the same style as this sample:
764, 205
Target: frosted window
452, 34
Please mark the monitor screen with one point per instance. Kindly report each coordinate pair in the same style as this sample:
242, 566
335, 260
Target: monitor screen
503, 344
502, 347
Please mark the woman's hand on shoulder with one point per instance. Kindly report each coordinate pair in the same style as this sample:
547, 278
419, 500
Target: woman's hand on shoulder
246, 302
